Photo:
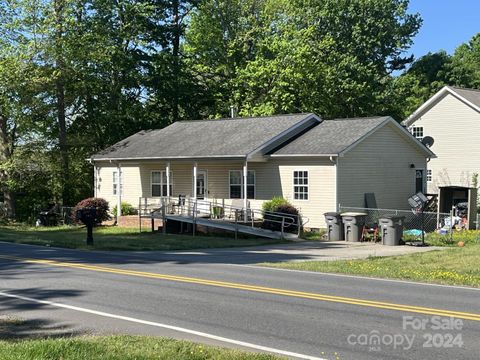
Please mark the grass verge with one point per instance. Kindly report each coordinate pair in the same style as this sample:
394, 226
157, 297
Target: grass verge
117, 238
453, 266
118, 348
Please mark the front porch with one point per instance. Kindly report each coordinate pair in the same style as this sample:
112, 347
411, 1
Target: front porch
231, 183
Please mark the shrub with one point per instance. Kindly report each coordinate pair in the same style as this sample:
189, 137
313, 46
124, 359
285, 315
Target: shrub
127, 209
273, 222
100, 204
271, 205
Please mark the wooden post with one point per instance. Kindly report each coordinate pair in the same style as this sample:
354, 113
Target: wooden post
194, 217
236, 224
164, 219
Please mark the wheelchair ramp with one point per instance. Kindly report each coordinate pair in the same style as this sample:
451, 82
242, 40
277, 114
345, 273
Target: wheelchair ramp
229, 226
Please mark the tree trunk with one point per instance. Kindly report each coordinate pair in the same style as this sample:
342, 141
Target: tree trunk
60, 100
5, 155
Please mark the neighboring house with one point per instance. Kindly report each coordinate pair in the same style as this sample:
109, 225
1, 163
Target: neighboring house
451, 118
316, 164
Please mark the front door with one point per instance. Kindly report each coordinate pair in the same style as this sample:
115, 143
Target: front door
419, 181
202, 187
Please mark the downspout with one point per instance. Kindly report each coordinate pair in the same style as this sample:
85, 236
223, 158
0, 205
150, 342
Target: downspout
334, 161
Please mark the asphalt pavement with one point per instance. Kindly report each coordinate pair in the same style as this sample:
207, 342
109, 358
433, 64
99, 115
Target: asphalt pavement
220, 297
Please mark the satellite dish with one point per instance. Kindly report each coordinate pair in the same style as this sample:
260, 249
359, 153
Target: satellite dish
428, 141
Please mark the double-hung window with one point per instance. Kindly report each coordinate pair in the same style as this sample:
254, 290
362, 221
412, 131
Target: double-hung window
236, 184
159, 183
117, 183
300, 185
417, 131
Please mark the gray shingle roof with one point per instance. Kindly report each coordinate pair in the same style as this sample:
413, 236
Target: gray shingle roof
202, 138
471, 95
331, 137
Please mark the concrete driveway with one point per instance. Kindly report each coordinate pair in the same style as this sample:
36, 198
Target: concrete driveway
298, 251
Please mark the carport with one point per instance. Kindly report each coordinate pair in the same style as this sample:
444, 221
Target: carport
450, 196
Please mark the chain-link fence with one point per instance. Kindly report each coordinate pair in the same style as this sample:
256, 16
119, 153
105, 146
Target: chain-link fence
57, 215
413, 221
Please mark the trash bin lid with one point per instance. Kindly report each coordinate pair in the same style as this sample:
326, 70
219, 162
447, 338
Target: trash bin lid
353, 214
393, 217
332, 213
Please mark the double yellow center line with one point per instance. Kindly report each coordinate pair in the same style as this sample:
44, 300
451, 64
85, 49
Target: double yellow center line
254, 288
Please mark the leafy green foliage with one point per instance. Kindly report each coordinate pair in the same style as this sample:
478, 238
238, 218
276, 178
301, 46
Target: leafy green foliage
78, 76
274, 221
127, 209
274, 203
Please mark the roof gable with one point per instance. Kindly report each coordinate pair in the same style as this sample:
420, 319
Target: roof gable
469, 97
224, 138
339, 136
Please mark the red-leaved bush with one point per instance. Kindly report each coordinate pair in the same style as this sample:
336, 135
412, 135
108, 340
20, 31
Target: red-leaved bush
98, 203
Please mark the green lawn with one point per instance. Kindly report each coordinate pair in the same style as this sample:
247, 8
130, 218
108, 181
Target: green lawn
118, 348
117, 238
452, 266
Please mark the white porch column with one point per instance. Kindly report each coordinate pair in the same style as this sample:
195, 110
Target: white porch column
119, 191
167, 170
195, 166
95, 180
245, 175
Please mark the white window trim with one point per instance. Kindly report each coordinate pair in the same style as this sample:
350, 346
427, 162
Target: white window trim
241, 184
416, 136
307, 186
119, 183
162, 173
429, 175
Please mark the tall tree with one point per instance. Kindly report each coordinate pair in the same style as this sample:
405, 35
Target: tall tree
332, 57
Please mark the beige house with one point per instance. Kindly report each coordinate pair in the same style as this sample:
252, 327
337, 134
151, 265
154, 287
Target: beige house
449, 122
316, 164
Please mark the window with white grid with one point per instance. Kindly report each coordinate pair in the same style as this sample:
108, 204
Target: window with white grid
117, 182
429, 175
300, 185
158, 183
417, 131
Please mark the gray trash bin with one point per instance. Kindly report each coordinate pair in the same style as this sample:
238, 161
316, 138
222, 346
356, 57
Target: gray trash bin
353, 225
334, 226
392, 229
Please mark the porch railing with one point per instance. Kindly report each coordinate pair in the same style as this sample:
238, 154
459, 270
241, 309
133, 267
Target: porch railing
216, 211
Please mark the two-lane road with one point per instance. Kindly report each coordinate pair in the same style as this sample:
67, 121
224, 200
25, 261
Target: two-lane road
201, 295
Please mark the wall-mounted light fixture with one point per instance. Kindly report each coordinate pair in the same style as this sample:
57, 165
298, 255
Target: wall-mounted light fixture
412, 166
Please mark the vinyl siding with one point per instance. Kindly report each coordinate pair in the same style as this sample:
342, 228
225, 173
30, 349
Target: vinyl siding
455, 128
380, 165
130, 179
273, 178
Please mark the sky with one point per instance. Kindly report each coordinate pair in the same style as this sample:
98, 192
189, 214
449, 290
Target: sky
446, 24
